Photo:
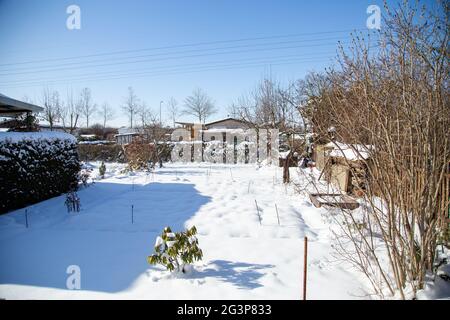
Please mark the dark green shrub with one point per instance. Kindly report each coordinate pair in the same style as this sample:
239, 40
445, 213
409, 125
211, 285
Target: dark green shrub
35, 167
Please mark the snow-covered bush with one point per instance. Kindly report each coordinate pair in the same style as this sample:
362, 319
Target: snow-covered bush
84, 175
176, 250
36, 166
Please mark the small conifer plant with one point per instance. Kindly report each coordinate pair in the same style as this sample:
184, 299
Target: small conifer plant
176, 250
102, 170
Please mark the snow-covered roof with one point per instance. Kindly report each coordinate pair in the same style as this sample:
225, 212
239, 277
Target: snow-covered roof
237, 131
42, 135
10, 107
96, 142
126, 130
351, 152
283, 155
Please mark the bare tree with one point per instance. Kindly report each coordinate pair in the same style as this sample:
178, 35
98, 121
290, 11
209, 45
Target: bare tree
233, 111
70, 112
173, 110
106, 113
145, 114
131, 105
199, 105
87, 106
52, 107
269, 105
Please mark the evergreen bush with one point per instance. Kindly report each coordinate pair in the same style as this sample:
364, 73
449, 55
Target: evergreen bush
176, 250
35, 167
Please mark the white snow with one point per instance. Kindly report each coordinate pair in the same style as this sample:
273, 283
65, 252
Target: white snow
283, 155
243, 259
97, 142
350, 152
42, 135
159, 241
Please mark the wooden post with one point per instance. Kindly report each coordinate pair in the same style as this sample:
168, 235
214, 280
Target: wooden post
305, 267
132, 214
26, 218
257, 211
278, 217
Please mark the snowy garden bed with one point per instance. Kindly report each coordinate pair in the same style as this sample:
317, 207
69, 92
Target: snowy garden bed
243, 257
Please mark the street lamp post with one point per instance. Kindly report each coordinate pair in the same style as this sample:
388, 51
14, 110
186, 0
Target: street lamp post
160, 118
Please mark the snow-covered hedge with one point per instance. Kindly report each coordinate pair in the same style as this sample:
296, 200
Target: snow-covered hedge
35, 166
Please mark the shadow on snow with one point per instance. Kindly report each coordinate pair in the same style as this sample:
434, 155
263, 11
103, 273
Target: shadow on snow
110, 251
241, 275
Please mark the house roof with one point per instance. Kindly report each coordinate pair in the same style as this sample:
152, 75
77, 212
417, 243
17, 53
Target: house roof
222, 120
10, 107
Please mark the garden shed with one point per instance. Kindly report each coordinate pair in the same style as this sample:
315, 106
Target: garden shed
344, 165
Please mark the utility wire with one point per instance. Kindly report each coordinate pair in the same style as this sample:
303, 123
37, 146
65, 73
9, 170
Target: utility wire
179, 46
168, 58
173, 72
113, 72
170, 53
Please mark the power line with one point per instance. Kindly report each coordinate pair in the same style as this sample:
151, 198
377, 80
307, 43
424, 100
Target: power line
173, 72
170, 58
316, 55
172, 53
180, 46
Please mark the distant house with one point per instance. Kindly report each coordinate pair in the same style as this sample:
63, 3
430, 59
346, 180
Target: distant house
126, 135
55, 127
149, 133
196, 129
224, 141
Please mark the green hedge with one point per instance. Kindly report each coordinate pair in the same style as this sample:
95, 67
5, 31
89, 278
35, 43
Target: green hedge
101, 152
36, 167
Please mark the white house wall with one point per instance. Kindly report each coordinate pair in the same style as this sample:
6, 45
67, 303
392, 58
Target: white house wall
214, 147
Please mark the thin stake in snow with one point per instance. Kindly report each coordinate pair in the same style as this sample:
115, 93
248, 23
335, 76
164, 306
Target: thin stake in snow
248, 190
278, 217
257, 211
132, 214
305, 267
231, 174
26, 218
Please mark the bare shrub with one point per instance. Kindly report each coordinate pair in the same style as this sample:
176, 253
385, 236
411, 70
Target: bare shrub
391, 102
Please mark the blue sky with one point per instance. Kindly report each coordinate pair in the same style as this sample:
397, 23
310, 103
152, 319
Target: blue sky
148, 45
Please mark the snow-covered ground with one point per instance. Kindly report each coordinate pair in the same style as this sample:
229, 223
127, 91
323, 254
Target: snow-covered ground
243, 259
